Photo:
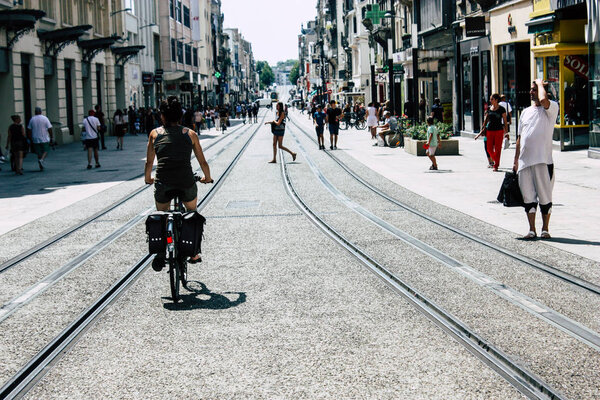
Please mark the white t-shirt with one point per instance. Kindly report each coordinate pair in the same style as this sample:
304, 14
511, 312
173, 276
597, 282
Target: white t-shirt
39, 126
91, 125
508, 109
535, 128
198, 116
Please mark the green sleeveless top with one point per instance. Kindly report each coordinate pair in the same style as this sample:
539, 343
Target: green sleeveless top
173, 149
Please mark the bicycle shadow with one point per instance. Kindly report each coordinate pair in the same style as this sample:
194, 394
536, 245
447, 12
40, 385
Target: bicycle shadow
198, 296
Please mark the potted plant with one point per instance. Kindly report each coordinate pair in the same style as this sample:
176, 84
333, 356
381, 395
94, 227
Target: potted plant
416, 137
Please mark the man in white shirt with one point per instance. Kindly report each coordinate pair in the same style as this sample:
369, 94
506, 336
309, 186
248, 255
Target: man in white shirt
533, 156
91, 127
504, 103
40, 134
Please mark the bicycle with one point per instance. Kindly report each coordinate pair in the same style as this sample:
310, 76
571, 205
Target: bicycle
352, 121
173, 258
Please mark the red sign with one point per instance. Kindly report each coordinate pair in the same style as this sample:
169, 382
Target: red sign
577, 65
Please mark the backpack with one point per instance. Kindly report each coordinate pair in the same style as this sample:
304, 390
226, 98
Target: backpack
190, 236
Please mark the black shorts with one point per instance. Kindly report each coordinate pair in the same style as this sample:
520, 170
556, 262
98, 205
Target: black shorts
334, 129
165, 193
320, 130
91, 143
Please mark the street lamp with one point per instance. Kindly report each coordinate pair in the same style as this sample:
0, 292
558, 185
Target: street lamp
119, 11
146, 26
391, 15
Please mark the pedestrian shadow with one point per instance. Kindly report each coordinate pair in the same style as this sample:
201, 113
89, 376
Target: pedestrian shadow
198, 296
439, 171
571, 241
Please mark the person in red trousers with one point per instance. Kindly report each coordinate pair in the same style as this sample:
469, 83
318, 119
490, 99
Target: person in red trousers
496, 129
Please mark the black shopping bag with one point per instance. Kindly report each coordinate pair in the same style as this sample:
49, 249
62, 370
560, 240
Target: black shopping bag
510, 193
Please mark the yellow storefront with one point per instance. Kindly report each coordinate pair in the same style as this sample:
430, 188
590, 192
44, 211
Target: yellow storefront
561, 58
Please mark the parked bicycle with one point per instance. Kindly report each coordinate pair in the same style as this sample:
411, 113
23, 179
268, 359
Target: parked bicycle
174, 236
352, 121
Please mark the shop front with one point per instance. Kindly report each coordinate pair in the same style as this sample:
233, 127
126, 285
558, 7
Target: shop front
593, 38
474, 91
561, 58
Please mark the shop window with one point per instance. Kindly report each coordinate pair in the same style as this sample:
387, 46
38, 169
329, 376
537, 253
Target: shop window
595, 99
576, 90
466, 91
553, 77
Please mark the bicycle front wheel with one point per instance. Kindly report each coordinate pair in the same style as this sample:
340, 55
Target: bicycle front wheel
361, 124
175, 279
344, 125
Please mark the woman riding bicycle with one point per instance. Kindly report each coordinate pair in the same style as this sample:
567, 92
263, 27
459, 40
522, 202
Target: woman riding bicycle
172, 144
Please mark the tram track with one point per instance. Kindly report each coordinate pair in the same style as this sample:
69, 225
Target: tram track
536, 264
17, 259
49, 280
38, 366
523, 380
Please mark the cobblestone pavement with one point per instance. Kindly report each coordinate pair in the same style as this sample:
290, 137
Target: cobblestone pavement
276, 309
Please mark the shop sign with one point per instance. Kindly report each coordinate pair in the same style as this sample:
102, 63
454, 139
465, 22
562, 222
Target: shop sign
381, 78
147, 78
474, 26
577, 65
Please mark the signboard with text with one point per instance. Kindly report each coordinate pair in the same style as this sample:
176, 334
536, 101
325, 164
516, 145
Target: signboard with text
474, 26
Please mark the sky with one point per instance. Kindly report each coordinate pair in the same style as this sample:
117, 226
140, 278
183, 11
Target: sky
272, 26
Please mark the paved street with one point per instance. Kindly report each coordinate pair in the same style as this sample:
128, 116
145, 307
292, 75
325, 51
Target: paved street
277, 309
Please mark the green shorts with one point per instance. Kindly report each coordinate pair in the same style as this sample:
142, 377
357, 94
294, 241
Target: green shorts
41, 148
165, 193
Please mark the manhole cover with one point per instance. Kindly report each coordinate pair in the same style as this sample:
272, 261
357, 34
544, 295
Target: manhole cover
243, 204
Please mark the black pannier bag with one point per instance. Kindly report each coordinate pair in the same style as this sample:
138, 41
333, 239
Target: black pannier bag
510, 192
156, 228
190, 238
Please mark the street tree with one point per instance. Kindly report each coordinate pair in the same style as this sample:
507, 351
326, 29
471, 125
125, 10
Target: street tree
295, 73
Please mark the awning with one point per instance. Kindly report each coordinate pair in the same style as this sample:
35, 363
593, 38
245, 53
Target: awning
541, 24
124, 53
57, 39
174, 76
94, 46
19, 21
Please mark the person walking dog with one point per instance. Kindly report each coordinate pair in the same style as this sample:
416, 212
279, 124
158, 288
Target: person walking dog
533, 157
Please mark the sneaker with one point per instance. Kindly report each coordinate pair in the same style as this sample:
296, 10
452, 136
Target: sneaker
158, 263
335, 147
331, 147
97, 165
41, 164
89, 166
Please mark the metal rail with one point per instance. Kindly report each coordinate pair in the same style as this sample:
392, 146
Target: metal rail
523, 380
41, 286
61, 235
37, 367
556, 272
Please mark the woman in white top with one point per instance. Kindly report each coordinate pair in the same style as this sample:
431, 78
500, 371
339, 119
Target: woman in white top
372, 120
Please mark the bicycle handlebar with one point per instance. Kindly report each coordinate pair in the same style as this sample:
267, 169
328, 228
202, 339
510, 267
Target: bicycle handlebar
198, 178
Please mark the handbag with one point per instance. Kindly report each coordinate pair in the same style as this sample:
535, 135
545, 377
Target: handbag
506, 143
510, 193
278, 128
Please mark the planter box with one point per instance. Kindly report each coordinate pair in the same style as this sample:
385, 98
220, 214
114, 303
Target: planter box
415, 147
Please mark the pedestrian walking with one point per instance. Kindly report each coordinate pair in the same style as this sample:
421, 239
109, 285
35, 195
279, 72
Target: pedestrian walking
149, 121
437, 110
319, 122
101, 117
125, 117
433, 142
255, 112
131, 118
119, 127
17, 140
496, 129
91, 126
278, 129
422, 108
40, 134
372, 120
504, 103
223, 117
533, 157
333, 117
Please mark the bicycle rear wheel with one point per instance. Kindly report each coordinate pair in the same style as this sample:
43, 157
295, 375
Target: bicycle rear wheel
174, 278
183, 272
344, 125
